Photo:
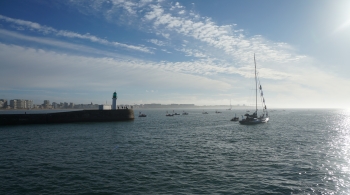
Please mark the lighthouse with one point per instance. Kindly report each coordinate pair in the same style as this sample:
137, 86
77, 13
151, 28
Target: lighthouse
114, 101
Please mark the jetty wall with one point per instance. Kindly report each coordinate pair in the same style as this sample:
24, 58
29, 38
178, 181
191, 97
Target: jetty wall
68, 117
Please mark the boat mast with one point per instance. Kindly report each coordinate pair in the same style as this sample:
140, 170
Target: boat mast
256, 90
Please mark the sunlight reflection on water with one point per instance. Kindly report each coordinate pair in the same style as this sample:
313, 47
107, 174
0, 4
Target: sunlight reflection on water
338, 168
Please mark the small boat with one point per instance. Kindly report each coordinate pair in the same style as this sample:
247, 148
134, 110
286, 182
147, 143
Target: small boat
169, 114
204, 112
175, 113
184, 113
235, 118
230, 106
217, 112
142, 115
252, 119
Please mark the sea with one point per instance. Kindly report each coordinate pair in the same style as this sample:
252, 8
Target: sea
299, 151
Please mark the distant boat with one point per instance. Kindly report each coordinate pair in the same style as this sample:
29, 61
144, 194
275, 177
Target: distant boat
235, 118
169, 114
217, 112
230, 106
253, 118
176, 113
142, 115
184, 113
204, 112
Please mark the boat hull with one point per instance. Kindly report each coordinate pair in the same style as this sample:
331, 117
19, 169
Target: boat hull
254, 121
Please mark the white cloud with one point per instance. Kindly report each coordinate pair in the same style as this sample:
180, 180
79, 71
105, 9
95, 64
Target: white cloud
55, 43
69, 34
182, 12
59, 70
165, 21
225, 38
157, 42
28, 24
193, 52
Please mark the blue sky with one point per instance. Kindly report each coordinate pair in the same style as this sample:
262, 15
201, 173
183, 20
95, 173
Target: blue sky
159, 51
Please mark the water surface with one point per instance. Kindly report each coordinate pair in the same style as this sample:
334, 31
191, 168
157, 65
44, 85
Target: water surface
297, 152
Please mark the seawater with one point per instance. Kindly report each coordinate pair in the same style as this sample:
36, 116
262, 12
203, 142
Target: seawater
299, 151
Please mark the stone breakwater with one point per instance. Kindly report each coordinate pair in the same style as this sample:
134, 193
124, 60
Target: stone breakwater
68, 117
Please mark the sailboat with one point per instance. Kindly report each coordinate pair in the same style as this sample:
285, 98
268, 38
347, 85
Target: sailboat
142, 115
169, 114
230, 106
252, 119
235, 118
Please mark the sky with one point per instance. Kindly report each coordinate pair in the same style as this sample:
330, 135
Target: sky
176, 52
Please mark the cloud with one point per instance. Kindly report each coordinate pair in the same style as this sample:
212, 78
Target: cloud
55, 43
28, 24
157, 42
68, 34
54, 70
225, 38
175, 22
193, 52
200, 67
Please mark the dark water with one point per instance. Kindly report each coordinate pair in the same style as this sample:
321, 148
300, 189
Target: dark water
298, 152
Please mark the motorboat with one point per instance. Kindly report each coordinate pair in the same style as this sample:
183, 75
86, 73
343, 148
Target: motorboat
142, 115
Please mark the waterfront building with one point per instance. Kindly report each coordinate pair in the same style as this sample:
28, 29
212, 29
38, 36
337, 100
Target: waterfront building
20, 104
168, 106
104, 107
46, 104
152, 105
29, 104
86, 106
13, 104
55, 105
3, 103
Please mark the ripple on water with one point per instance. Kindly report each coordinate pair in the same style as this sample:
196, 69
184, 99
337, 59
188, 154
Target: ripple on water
298, 152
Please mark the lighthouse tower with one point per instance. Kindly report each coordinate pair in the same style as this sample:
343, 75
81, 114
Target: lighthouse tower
114, 101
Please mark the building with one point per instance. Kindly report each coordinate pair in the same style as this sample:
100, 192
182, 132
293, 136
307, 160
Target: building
86, 106
13, 104
28, 104
104, 107
152, 106
3, 103
46, 104
21, 104
55, 105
